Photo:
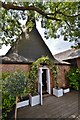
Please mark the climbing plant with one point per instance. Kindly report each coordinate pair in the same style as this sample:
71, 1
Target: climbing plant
33, 73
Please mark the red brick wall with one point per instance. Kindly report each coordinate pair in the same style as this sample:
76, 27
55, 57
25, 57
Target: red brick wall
63, 82
78, 62
14, 67
25, 67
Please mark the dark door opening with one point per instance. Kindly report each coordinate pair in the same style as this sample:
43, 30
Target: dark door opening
44, 82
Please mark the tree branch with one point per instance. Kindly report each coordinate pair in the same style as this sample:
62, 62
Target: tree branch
23, 8
58, 12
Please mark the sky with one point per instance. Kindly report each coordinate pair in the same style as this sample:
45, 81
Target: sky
55, 45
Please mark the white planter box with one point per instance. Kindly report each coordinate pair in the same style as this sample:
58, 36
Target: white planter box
22, 103
66, 90
34, 100
58, 92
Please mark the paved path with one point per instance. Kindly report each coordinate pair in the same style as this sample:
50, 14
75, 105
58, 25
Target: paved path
53, 107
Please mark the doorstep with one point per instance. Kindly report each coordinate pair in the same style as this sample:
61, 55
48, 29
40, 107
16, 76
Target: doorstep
46, 95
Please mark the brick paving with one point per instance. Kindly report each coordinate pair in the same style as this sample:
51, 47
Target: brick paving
66, 106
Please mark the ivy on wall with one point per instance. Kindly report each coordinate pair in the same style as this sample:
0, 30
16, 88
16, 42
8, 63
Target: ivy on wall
33, 73
27, 82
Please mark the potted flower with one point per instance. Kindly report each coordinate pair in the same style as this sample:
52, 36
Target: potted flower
57, 91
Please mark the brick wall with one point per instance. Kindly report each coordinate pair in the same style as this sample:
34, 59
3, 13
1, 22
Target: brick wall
25, 67
78, 62
63, 82
14, 67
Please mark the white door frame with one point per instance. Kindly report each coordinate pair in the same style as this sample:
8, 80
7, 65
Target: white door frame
40, 81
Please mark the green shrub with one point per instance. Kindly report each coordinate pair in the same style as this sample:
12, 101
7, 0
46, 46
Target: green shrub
8, 102
13, 84
74, 78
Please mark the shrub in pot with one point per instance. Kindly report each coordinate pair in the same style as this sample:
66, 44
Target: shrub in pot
57, 91
8, 104
34, 97
22, 101
8, 101
16, 84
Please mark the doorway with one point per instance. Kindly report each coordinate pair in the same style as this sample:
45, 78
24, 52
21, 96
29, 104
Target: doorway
44, 81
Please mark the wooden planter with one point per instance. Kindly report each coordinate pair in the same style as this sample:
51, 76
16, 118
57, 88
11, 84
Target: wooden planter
22, 103
58, 92
34, 100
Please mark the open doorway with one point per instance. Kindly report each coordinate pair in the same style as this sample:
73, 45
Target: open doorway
44, 81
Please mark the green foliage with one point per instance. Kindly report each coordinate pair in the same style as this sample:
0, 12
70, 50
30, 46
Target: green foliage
56, 71
33, 73
19, 83
4, 75
15, 83
66, 12
10, 27
74, 78
8, 102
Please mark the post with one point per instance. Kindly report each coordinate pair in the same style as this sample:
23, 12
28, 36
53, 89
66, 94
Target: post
16, 108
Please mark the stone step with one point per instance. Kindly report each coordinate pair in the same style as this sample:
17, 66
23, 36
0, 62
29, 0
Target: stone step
46, 95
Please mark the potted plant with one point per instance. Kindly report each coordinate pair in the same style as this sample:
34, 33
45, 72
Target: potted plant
57, 91
34, 99
65, 89
22, 101
16, 85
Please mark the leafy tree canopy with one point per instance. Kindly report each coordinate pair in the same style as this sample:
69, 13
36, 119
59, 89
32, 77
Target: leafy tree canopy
59, 18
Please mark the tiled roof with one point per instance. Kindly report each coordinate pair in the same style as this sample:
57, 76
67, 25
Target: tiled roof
14, 58
69, 54
28, 48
